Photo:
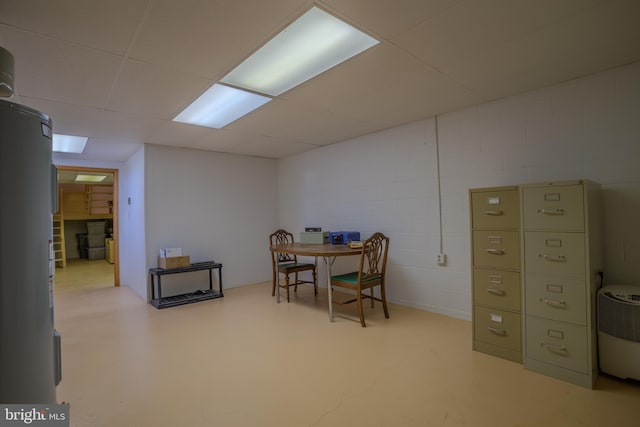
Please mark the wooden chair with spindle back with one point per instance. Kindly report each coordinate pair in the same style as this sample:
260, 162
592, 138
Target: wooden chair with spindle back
371, 273
288, 264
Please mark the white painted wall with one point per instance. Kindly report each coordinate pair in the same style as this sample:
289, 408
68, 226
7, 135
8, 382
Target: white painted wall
213, 206
382, 182
131, 223
587, 128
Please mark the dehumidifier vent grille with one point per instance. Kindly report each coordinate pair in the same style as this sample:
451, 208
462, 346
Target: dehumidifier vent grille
618, 318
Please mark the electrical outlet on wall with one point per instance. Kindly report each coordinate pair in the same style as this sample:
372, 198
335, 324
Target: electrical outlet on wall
442, 259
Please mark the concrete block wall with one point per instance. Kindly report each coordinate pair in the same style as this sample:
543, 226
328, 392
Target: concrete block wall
214, 206
586, 128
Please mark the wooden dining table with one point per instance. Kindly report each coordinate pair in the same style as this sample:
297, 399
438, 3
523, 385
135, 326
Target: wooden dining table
328, 252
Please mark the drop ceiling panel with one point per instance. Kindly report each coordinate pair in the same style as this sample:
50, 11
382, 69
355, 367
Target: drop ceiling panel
271, 117
59, 70
116, 150
154, 91
384, 86
103, 25
388, 18
556, 53
175, 133
324, 128
294, 121
209, 38
265, 146
119, 71
216, 140
94, 122
69, 176
504, 47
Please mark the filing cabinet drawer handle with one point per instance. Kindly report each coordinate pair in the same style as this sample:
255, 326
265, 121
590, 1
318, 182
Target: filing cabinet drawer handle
495, 251
557, 349
494, 213
495, 291
558, 211
554, 303
553, 258
497, 331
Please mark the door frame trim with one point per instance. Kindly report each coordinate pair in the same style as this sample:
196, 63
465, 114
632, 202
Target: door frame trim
116, 237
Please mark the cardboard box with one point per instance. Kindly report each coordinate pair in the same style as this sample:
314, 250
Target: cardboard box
170, 252
174, 262
314, 237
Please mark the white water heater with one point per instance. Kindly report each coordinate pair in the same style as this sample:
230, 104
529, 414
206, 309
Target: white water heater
619, 330
29, 345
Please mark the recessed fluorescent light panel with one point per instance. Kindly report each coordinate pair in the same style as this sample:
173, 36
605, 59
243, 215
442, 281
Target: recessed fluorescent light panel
69, 143
90, 178
219, 106
312, 44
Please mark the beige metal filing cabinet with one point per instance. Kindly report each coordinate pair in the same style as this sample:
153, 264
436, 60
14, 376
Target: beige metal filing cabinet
495, 242
562, 259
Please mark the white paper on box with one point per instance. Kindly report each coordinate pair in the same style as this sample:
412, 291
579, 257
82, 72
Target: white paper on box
170, 252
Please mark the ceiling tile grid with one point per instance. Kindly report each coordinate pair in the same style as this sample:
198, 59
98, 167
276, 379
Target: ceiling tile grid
119, 71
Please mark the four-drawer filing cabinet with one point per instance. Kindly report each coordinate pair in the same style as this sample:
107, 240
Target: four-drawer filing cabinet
562, 259
495, 242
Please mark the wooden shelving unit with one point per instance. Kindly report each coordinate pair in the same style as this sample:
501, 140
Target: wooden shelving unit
58, 240
87, 201
79, 202
99, 199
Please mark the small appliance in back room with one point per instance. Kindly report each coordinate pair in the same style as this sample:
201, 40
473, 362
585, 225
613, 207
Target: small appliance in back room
30, 364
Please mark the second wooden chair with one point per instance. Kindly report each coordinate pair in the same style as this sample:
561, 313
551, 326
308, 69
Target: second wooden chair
371, 273
288, 264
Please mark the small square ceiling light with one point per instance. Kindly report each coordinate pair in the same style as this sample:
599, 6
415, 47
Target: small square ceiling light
312, 44
219, 106
90, 178
69, 143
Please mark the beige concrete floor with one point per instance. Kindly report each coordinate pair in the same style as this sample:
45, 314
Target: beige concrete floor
82, 274
244, 360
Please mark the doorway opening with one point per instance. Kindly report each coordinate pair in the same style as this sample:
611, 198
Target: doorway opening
85, 228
